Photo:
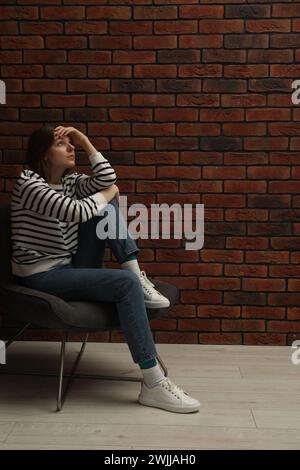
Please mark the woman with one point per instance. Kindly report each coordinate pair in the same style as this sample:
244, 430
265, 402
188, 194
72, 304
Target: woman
54, 212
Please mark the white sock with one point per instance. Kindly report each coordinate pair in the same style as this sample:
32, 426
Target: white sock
152, 376
132, 265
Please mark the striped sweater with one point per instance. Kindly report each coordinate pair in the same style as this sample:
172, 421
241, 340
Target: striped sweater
45, 218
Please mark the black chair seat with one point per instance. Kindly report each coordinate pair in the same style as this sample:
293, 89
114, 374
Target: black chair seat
49, 311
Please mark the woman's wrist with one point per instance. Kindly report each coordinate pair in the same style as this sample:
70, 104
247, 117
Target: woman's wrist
88, 147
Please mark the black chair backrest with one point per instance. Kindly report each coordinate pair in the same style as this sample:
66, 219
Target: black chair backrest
5, 245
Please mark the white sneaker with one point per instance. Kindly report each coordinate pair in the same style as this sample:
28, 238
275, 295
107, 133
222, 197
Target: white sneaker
153, 298
168, 396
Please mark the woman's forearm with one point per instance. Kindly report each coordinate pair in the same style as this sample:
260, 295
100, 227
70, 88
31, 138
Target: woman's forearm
88, 147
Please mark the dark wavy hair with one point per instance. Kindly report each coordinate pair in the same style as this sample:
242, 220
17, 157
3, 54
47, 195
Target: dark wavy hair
38, 145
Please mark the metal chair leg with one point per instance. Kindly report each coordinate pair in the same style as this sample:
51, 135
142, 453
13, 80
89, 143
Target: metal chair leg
17, 335
62, 396
161, 363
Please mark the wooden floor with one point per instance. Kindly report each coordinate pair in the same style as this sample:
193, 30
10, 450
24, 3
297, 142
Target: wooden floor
250, 397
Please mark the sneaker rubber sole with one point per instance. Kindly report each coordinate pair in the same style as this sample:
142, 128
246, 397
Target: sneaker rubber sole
170, 407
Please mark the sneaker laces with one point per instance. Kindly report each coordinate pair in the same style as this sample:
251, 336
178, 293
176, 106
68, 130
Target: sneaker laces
147, 284
173, 388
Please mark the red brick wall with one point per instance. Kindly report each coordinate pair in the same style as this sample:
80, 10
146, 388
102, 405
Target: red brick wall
191, 102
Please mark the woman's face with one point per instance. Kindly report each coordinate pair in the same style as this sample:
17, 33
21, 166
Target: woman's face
61, 154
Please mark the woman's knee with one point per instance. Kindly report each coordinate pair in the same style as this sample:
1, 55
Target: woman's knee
130, 281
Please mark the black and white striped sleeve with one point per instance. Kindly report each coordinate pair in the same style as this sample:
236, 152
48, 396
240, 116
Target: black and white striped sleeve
103, 177
37, 196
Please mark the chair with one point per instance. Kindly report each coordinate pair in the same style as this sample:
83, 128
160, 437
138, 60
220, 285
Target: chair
44, 310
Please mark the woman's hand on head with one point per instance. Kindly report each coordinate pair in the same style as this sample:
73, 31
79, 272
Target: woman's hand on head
76, 136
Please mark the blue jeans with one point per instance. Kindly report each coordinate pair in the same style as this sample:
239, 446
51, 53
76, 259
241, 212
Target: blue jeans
86, 279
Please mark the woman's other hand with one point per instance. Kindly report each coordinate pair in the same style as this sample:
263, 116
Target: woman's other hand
111, 192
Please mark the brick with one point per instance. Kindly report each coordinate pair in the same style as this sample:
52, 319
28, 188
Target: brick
264, 285
266, 114
220, 284
201, 11
244, 298
243, 325
124, 57
262, 172
290, 70
155, 12
267, 143
65, 71
9, 27
246, 214
270, 56
268, 201
223, 55
200, 41
283, 326
270, 85
108, 71
248, 243
63, 100
221, 26
213, 172
179, 172
225, 85
264, 339
263, 312
247, 11
109, 42
283, 10
245, 186
67, 42
155, 42
246, 270
285, 243
41, 85
221, 115
171, 27
44, 57
218, 311
11, 57
88, 27
243, 101
62, 13
126, 27
246, 71
285, 40
41, 27
18, 13
21, 42
236, 41
268, 25
135, 115
108, 12
240, 129
199, 325
22, 71
222, 200
267, 257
